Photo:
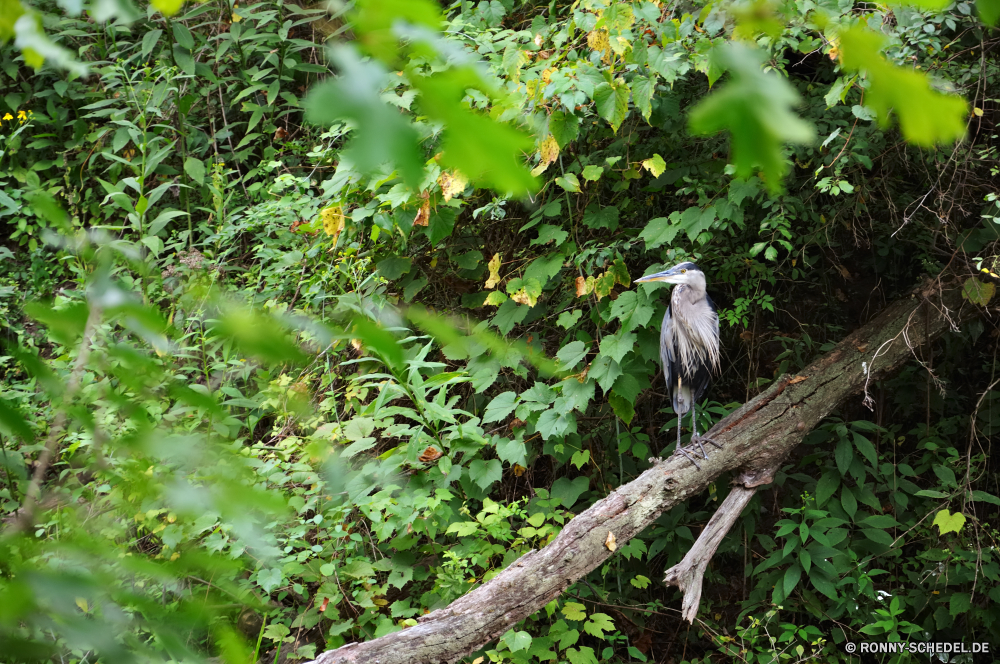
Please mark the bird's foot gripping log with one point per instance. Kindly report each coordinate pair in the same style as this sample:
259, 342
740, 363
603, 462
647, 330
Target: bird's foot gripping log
684, 451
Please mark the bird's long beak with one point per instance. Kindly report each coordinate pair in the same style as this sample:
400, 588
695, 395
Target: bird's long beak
668, 276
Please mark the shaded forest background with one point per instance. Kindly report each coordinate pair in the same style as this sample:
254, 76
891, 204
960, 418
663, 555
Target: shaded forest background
292, 358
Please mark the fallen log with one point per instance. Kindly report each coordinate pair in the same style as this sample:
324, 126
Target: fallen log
756, 438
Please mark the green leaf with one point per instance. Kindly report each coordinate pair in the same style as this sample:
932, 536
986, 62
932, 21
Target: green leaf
442, 223
989, 11
12, 423
182, 35
593, 173
580, 458
598, 217
581, 655
946, 475
508, 315
926, 116
568, 319
195, 169
469, 260
517, 640
879, 521
948, 522
46, 206
380, 341
65, 324
480, 148
633, 309
791, 579
982, 496
564, 127
959, 603
660, 231
463, 528
567, 492
642, 94
822, 584
616, 346
849, 502
556, 422
500, 407
394, 267
694, 220
571, 354
269, 579
930, 5
844, 455
168, 7
622, 407
549, 233
756, 108
150, 39
569, 182
374, 20
826, 487
184, 59
878, 536
381, 133
358, 569
598, 624
612, 102
485, 473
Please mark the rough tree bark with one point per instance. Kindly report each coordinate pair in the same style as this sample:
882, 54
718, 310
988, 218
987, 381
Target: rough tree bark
756, 438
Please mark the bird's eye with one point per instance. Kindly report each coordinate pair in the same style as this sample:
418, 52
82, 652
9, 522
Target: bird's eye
683, 271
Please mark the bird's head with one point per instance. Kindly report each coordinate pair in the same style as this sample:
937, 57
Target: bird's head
682, 273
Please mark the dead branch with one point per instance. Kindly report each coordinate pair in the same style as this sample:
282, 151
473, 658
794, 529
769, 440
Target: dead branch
757, 436
689, 573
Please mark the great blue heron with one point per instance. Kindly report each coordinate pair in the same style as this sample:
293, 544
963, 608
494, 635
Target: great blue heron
689, 345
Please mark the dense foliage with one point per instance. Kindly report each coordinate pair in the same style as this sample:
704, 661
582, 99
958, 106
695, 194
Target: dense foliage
293, 358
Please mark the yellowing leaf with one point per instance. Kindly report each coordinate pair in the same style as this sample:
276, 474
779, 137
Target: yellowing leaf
452, 184
523, 297
82, 603
948, 522
549, 151
494, 266
495, 299
655, 165
333, 220
610, 541
599, 41
423, 214
168, 7
977, 292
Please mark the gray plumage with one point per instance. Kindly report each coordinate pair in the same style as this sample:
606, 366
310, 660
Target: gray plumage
689, 343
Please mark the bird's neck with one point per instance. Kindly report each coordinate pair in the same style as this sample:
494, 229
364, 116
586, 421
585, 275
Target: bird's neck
689, 292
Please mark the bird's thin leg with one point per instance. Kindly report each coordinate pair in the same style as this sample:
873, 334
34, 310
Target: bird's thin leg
699, 439
681, 449
695, 438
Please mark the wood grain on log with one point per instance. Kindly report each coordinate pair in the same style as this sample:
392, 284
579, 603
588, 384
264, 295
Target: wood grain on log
758, 435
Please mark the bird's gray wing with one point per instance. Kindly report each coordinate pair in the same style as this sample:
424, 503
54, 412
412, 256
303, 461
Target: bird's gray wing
703, 375
668, 355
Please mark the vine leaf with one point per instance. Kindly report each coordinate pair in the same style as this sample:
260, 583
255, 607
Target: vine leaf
756, 108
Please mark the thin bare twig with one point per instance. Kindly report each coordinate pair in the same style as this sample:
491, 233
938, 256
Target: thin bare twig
27, 517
